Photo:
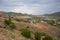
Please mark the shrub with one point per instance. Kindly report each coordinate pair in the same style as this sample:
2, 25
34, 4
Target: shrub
48, 38
10, 24
58, 25
25, 32
7, 22
38, 36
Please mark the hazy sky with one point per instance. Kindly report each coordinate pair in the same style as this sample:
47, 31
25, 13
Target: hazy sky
30, 6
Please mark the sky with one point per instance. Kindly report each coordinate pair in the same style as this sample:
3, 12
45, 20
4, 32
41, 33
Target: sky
35, 7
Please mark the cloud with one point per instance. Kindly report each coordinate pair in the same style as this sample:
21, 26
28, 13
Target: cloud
23, 9
35, 7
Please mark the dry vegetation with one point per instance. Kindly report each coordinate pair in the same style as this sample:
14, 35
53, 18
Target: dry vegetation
7, 34
23, 17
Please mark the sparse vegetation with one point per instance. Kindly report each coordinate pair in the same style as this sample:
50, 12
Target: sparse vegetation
36, 25
23, 20
10, 24
26, 33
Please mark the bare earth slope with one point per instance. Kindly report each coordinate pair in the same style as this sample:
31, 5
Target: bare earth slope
40, 27
6, 34
11, 35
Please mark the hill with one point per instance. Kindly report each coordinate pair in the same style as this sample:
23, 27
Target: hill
10, 28
11, 14
57, 14
11, 35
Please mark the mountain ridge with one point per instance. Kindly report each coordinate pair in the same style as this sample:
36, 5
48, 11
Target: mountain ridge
57, 14
12, 14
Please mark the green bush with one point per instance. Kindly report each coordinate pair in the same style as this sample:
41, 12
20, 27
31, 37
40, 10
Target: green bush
48, 38
58, 25
38, 36
7, 22
10, 24
25, 32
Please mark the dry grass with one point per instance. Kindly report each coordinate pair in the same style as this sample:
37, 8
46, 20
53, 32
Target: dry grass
23, 17
38, 27
11, 35
6, 34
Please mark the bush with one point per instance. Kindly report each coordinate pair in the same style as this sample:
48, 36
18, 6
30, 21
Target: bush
10, 24
38, 36
48, 38
7, 22
58, 25
25, 32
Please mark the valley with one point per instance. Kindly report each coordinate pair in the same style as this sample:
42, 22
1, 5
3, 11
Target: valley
10, 27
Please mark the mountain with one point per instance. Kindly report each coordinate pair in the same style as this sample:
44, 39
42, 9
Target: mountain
12, 14
57, 14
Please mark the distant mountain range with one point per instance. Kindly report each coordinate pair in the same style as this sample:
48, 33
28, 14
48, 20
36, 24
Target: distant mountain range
12, 13
57, 14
